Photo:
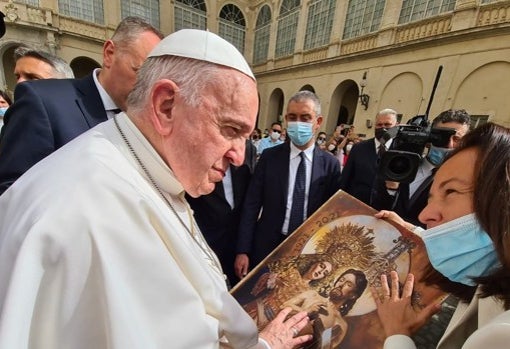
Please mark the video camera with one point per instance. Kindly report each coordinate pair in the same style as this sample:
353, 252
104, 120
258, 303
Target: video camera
400, 163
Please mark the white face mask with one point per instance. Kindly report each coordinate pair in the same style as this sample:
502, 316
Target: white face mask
348, 147
331, 147
275, 136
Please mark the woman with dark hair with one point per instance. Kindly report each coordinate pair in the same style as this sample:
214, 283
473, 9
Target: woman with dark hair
468, 242
5, 103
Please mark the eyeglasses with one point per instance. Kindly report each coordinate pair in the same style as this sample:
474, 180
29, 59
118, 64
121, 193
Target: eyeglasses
322, 138
277, 131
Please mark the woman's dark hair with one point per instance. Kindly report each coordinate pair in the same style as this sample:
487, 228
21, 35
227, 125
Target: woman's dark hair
5, 96
360, 285
491, 197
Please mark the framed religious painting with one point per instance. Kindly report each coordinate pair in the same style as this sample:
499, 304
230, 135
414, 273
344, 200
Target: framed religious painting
327, 267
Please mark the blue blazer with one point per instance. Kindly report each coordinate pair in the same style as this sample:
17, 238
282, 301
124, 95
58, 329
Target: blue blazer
268, 191
360, 171
46, 115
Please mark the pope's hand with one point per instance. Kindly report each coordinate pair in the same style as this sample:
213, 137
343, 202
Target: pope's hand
284, 334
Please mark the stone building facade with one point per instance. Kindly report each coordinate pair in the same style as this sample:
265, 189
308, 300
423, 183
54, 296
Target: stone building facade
359, 56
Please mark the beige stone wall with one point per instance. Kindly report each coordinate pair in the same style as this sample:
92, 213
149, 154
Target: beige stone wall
472, 43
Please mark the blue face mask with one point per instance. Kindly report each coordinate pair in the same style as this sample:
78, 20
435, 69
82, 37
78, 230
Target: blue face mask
299, 132
2, 111
436, 155
461, 249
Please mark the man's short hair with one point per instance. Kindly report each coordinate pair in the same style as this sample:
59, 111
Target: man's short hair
308, 95
60, 67
130, 28
387, 111
276, 123
459, 116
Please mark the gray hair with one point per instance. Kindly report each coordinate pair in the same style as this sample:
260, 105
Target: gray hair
305, 95
387, 111
130, 28
60, 67
190, 75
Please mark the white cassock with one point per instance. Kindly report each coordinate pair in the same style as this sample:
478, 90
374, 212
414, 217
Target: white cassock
91, 256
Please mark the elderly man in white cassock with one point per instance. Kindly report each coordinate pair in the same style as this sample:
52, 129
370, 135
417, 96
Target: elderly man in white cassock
98, 247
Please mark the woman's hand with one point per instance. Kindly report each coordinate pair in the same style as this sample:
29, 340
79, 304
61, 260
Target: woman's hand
395, 311
284, 334
395, 218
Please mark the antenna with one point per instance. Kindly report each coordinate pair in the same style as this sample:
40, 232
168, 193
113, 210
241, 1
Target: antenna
438, 75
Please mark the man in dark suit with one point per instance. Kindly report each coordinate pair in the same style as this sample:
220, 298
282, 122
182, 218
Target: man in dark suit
49, 113
218, 214
289, 178
359, 173
409, 199
31, 64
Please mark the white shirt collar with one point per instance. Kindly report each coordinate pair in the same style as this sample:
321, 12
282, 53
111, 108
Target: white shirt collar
294, 151
108, 102
387, 144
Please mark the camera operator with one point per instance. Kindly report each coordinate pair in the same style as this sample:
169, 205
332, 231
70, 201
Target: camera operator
359, 174
408, 199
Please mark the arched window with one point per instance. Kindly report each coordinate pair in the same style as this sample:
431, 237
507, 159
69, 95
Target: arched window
233, 26
413, 10
287, 27
190, 14
320, 22
262, 33
145, 9
87, 10
363, 17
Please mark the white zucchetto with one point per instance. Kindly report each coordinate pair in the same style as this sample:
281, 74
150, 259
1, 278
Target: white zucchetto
204, 46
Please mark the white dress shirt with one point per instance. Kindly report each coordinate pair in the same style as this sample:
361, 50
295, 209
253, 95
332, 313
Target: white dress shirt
295, 159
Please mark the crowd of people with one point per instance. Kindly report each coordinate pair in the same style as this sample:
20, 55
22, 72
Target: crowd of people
146, 184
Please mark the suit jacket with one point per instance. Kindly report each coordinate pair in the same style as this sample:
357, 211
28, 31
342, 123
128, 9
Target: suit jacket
486, 316
219, 222
406, 207
46, 115
360, 171
268, 191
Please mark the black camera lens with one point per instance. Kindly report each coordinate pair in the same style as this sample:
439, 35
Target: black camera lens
399, 167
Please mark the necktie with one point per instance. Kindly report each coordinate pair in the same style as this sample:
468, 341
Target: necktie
115, 111
381, 150
298, 196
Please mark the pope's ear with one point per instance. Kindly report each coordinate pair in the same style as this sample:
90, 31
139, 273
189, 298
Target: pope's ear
163, 101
